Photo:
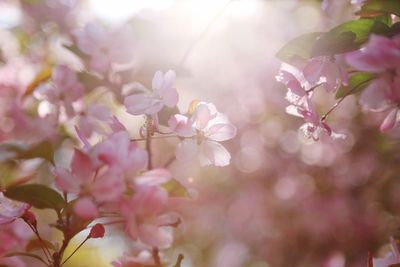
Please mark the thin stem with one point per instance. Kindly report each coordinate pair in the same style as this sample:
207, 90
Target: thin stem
46, 252
332, 109
312, 88
156, 257
80, 245
203, 34
179, 260
149, 132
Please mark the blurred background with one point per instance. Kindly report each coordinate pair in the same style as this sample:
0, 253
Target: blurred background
284, 201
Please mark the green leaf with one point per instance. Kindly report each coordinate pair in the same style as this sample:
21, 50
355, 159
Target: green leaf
380, 6
166, 113
39, 196
13, 150
36, 244
89, 80
175, 189
74, 49
348, 37
299, 47
357, 82
43, 150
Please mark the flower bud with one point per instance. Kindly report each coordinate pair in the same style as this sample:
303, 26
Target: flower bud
97, 231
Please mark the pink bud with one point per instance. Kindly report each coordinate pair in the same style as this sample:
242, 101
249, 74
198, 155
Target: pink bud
30, 218
97, 231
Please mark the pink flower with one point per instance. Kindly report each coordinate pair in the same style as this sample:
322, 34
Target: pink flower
105, 47
92, 184
381, 55
120, 154
144, 218
203, 132
93, 120
296, 84
137, 257
14, 236
11, 210
64, 89
326, 72
163, 93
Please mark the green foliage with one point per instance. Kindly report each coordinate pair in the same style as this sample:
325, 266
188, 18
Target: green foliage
39, 196
380, 6
348, 36
44, 149
357, 82
299, 47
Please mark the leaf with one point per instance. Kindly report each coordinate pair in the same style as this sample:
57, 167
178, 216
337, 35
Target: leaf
357, 82
41, 77
14, 150
347, 37
74, 49
36, 244
175, 189
39, 196
43, 150
299, 47
165, 114
380, 6
89, 80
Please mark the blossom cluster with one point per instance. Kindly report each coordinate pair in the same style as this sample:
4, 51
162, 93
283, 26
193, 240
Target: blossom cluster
111, 179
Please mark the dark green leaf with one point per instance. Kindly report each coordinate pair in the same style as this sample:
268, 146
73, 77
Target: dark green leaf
43, 150
14, 150
384, 6
89, 80
74, 49
39, 196
166, 113
357, 82
175, 189
347, 37
299, 47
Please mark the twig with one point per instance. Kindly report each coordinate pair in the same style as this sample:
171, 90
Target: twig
179, 260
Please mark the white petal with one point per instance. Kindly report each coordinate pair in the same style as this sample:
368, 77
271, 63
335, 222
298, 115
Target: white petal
214, 153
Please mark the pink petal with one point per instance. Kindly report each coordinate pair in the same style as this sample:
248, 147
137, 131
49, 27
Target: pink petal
221, 132
181, 125
374, 96
154, 177
155, 236
202, 115
157, 81
214, 153
390, 121
86, 209
186, 150
82, 166
65, 181
312, 71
